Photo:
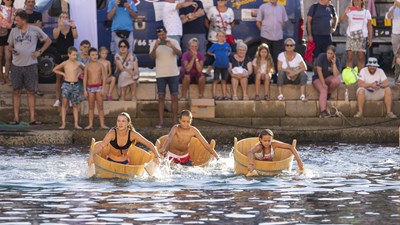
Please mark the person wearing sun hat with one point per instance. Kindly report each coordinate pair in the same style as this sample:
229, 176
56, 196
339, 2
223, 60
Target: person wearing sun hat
373, 85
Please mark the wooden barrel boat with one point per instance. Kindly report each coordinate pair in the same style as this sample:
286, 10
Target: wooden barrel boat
198, 154
282, 160
107, 169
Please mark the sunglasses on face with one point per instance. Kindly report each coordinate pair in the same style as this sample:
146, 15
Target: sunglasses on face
372, 62
289, 45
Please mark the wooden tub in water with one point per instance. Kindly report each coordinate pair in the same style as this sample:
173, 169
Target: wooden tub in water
107, 169
282, 160
198, 154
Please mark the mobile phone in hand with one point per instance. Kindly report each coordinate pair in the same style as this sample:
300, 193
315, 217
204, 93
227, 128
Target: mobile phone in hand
163, 42
121, 3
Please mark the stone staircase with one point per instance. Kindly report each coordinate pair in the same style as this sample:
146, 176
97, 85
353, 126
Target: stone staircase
251, 113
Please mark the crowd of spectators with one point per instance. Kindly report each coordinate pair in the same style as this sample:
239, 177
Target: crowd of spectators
188, 23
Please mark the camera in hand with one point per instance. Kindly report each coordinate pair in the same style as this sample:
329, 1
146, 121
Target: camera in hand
163, 42
121, 3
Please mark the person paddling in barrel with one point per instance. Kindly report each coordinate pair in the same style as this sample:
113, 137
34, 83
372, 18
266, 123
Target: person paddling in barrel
176, 147
264, 150
119, 140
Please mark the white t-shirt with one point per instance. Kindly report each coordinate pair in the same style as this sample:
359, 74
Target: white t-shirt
166, 63
365, 76
216, 24
296, 62
171, 19
358, 20
395, 20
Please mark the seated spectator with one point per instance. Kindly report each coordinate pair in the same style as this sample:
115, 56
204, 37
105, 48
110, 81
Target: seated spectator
263, 69
326, 78
127, 64
192, 64
240, 67
373, 85
291, 69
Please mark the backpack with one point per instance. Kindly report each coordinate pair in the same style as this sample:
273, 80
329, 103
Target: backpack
350, 75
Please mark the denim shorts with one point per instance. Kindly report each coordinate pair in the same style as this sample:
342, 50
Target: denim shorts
172, 82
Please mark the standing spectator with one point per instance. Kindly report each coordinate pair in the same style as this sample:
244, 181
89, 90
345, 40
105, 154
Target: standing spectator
219, 18
240, 68
263, 68
358, 30
127, 63
24, 72
291, 69
171, 19
69, 69
122, 13
373, 85
64, 34
7, 11
34, 18
193, 25
326, 78
321, 23
394, 15
165, 50
110, 78
271, 18
83, 57
93, 85
192, 65
220, 51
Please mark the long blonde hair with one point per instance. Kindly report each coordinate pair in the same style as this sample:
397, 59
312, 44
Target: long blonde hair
270, 62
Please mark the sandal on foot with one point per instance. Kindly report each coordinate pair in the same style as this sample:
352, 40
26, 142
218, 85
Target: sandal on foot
33, 123
217, 98
266, 98
257, 98
13, 122
227, 98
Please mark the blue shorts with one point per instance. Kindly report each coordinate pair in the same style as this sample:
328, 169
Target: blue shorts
172, 82
70, 91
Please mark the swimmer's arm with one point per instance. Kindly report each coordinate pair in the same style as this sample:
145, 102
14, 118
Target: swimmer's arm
58, 69
169, 139
277, 144
100, 146
137, 136
250, 156
204, 142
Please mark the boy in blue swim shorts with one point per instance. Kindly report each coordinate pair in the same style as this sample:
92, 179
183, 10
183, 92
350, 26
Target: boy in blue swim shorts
69, 69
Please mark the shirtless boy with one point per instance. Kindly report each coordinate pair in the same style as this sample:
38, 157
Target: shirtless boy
70, 70
177, 144
93, 87
110, 79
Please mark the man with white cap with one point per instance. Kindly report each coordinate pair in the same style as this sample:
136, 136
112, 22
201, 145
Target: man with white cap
373, 85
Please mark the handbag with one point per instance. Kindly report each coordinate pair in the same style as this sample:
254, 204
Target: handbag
350, 75
290, 68
124, 34
117, 72
358, 35
230, 39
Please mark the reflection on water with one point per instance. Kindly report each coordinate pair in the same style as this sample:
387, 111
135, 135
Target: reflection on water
347, 184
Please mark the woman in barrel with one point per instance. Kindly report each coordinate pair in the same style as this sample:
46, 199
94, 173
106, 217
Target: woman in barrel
119, 140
